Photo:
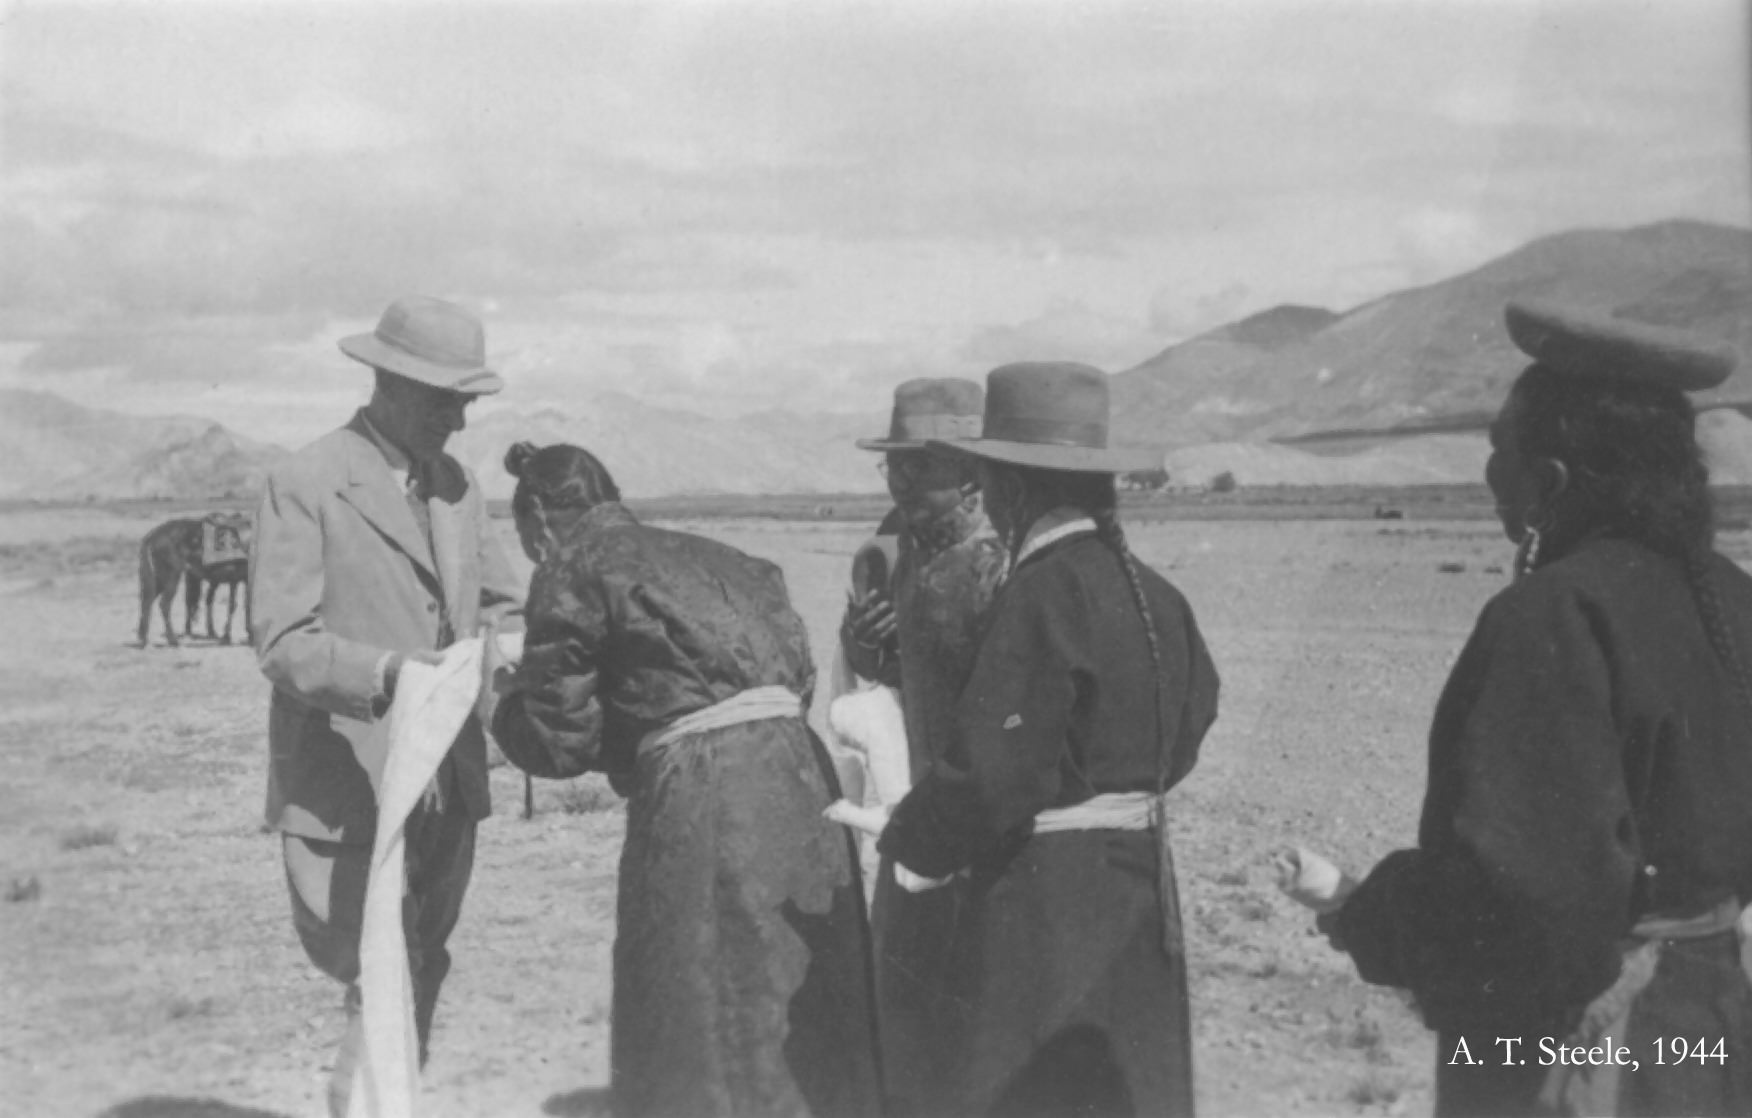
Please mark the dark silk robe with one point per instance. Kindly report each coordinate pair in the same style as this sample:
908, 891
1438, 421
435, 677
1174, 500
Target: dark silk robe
742, 968
1588, 766
1072, 1006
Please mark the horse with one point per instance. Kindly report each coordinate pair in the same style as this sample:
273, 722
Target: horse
230, 573
171, 553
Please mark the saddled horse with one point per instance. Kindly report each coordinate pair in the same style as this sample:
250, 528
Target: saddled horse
233, 573
172, 553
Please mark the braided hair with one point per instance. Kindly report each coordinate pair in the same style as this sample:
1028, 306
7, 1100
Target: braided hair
1636, 472
560, 476
1096, 495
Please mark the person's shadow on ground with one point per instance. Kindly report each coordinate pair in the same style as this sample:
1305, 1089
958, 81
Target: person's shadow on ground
590, 1102
169, 1106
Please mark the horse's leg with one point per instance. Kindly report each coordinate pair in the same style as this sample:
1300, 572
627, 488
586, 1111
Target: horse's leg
191, 581
230, 612
148, 591
212, 589
164, 598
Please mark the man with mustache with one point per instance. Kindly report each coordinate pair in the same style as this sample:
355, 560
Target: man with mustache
919, 632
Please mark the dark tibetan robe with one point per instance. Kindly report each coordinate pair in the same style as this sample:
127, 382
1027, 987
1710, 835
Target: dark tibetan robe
1072, 1004
742, 980
942, 590
1588, 767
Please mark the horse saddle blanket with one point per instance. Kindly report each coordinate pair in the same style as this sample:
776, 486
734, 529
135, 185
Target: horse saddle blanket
220, 544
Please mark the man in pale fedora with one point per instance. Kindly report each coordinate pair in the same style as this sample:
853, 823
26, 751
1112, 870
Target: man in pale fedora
372, 548
919, 632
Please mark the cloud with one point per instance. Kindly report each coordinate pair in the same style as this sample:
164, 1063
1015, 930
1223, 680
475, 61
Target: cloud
1067, 330
199, 351
738, 205
1175, 316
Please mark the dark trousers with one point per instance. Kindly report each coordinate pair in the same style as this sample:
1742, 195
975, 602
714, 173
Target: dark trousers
327, 883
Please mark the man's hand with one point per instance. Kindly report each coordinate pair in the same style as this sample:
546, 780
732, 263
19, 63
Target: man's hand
871, 619
432, 799
392, 670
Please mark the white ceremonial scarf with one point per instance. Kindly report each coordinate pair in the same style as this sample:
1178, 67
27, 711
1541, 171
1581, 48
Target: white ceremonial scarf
432, 702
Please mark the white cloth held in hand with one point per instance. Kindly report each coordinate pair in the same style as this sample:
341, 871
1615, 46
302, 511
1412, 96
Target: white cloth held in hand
1310, 880
432, 703
871, 722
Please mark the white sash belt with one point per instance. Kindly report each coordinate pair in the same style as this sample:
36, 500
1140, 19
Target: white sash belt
1110, 811
754, 705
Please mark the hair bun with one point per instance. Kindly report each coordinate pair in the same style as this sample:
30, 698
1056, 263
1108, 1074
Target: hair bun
518, 457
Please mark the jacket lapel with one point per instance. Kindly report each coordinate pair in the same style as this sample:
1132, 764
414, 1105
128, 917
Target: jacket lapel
447, 550
372, 490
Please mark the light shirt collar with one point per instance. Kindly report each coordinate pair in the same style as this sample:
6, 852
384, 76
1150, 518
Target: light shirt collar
1040, 535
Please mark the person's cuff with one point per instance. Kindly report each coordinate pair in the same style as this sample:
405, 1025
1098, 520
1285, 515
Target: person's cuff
380, 696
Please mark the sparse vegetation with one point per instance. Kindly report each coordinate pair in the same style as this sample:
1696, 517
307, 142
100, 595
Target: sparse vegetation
87, 835
179, 1008
85, 554
1255, 909
1373, 1089
1224, 483
587, 795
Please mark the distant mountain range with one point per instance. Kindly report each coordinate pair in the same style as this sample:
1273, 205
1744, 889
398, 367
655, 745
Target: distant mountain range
1432, 356
55, 449
654, 452
1395, 391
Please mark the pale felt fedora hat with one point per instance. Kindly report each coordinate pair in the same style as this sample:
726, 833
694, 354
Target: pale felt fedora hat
1052, 415
431, 341
931, 408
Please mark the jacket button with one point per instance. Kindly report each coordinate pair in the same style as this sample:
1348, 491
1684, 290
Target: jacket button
431, 607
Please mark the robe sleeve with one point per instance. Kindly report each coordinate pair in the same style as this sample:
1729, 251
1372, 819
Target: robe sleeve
1011, 726
1521, 884
1198, 708
549, 723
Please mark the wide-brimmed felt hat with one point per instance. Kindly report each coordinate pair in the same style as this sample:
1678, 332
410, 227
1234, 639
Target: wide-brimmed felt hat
931, 408
431, 341
1587, 344
1052, 415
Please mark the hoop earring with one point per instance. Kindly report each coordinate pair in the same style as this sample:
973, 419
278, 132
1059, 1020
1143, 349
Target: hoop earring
1527, 555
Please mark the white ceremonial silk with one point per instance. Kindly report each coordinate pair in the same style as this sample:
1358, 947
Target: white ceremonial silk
870, 722
432, 702
1310, 880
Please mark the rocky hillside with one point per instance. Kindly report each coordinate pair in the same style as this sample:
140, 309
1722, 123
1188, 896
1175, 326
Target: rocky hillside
59, 450
1431, 355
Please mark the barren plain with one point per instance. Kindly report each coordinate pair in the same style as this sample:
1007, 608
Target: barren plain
149, 967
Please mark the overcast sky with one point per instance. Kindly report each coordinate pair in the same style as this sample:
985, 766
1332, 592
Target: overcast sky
736, 206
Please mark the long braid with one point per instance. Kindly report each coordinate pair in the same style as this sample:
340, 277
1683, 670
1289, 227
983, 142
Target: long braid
1106, 516
1715, 621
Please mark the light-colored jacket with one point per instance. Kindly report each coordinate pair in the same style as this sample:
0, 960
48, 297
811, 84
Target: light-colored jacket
340, 574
